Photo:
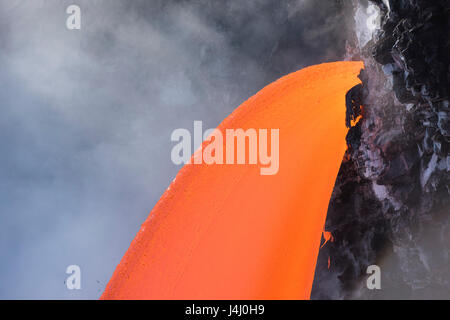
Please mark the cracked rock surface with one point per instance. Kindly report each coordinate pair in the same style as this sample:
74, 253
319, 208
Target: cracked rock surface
390, 205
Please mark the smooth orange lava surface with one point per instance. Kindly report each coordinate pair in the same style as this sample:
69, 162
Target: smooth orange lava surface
228, 232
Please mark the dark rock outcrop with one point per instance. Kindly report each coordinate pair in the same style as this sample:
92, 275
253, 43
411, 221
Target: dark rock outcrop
391, 203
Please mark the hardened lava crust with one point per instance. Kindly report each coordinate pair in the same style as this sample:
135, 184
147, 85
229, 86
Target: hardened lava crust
391, 204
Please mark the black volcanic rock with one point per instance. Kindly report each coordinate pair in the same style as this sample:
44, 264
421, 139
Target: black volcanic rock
391, 204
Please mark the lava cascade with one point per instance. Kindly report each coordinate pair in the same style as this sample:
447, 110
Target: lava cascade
228, 232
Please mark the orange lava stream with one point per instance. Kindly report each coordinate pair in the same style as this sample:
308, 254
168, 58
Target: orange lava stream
228, 232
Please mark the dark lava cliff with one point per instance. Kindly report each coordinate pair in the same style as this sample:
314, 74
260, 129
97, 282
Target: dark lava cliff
391, 204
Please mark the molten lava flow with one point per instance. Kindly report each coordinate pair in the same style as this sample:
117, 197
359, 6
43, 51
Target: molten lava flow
228, 232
